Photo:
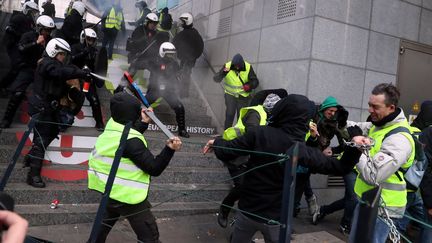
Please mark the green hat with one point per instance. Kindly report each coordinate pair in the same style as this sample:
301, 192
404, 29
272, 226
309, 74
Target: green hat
328, 102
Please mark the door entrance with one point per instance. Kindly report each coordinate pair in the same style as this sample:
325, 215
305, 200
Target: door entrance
414, 78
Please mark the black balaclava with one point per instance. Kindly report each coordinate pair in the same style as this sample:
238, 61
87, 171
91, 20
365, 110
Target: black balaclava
124, 108
292, 114
424, 118
237, 63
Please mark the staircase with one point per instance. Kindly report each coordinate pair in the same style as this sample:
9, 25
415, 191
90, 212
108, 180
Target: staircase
176, 192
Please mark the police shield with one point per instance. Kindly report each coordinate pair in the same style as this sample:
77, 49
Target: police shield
101, 66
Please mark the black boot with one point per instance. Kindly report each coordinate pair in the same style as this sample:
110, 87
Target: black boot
180, 117
34, 179
97, 114
11, 109
223, 216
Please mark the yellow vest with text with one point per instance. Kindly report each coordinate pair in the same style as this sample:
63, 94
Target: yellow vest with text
239, 128
233, 81
131, 184
394, 192
114, 20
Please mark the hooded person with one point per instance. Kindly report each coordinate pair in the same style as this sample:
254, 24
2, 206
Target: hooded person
262, 188
143, 10
421, 207
239, 81
137, 165
250, 117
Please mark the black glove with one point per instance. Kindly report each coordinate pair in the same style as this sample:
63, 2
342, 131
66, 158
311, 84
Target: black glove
342, 117
354, 131
87, 74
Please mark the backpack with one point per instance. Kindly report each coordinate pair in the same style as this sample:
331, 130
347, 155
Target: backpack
414, 174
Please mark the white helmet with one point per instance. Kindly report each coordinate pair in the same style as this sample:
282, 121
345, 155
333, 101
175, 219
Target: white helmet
45, 21
79, 7
167, 48
28, 6
186, 18
152, 17
56, 46
89, 33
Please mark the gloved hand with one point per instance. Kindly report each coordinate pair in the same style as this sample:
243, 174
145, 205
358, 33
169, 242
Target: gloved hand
87, 74
354, 131
247, 87
226, 70
342, 117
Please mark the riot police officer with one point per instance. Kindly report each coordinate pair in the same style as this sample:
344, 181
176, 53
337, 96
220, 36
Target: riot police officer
31, 47
164, 83
84, 54
50, 89
20, 23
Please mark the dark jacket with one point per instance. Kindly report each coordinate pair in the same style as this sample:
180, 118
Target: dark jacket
18, 25
83, 55
49, 9
189, 44
164, 71
423, 122
238, 61
50, 80
261, 191
142, 38
135, 149
72, 28
30, 51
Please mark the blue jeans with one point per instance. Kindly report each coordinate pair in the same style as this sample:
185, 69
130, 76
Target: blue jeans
426, 232
347, 203
381, 229
414, 208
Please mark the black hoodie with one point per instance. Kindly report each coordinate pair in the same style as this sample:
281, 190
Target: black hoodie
262, 188
124, 108
423, 122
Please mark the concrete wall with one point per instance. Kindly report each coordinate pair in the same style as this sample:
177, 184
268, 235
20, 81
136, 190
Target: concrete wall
322, 47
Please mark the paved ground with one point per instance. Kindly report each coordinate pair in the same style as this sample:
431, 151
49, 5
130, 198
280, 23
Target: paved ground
191, 229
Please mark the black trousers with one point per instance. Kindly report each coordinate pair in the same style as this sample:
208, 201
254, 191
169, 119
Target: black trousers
139, 216
233, 106
44, 134
185, 77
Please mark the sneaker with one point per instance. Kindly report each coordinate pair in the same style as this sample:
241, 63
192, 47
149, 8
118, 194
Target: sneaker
344, 229
312, 204
317, 216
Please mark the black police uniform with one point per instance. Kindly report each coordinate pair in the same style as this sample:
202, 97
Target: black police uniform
164, 83
83, 55
189, 45
49, 87
18, 25
71, 29
30, 52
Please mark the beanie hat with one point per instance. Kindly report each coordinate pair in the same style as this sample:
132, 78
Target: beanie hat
237, 63
125, 108
327, 103
270, 101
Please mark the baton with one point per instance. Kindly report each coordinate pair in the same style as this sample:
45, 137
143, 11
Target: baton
139, 94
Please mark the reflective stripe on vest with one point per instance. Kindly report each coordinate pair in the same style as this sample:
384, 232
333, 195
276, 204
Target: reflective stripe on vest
113, 20
394, 192
239, 128
232, 83
131, 184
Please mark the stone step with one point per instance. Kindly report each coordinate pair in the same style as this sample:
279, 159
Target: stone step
42, 214
85, 137
56, 174
180, 159
72, 193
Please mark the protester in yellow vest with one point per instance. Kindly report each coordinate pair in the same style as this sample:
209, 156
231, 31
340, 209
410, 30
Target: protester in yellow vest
239, 81
112, 22
387, 155
251, 116
128, 196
